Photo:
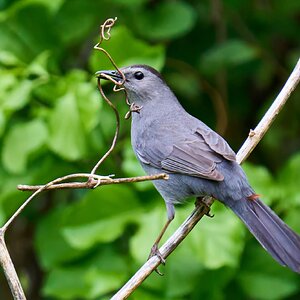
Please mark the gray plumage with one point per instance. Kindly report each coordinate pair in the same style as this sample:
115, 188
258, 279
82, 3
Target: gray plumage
165, 138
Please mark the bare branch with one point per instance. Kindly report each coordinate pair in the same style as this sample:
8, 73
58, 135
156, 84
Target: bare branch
200, 210
9, 271
113, 144
44, 187
92, 183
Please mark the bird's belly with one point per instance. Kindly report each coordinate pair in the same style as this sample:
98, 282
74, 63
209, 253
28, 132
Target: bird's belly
179, 186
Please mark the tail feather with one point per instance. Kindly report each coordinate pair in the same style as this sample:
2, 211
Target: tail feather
270, 231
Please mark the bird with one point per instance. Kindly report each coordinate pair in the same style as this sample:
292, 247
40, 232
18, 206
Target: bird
199, 162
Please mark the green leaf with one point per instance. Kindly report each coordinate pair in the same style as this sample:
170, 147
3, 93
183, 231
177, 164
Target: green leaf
20, 142
99, 275
51, 247
17, 97
39, 66
131, 3
213, 283
289, 182
150, 224
17, 5
26, 30
80, 282
8, 59
89, 103
76, 19
145, 294
181, 281
178, 280
75, 115
101, 216
2, 122
127, 50
85, 236
67, 137
166, 20
186, 84
70, 232
230, 53
263, 279
224, 232
10, 197
220, 240
2, 215
132, 167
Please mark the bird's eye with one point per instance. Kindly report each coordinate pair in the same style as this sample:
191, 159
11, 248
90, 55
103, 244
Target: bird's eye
139, 75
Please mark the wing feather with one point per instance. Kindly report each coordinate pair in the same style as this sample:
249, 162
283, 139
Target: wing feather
196, 155
217, 143
183, 160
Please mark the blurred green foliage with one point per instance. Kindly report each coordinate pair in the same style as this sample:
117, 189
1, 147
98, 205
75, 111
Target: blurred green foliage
226, 60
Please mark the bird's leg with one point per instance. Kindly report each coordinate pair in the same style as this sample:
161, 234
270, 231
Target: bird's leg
200, 202
154, 249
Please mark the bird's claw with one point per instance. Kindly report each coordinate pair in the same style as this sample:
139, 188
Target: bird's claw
209, 214
199, 202
155, 252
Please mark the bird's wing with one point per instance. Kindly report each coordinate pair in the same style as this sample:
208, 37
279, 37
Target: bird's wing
216, 143
196, 155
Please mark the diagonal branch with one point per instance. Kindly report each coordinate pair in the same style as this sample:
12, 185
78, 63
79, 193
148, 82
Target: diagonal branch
254, 137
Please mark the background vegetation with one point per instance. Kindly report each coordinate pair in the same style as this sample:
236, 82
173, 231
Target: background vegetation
226, 61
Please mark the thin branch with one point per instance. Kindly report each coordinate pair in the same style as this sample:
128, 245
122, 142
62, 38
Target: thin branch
44, 187
92, 183
200, 210
113, 144
9, 271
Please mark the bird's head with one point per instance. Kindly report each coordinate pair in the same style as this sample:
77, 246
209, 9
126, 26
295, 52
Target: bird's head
142, 83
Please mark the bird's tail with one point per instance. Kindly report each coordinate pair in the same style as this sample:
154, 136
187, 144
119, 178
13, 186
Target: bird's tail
271, 232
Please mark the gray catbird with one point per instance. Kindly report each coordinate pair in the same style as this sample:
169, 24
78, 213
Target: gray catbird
165, 138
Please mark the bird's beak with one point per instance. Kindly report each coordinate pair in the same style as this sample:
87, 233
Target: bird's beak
108, 75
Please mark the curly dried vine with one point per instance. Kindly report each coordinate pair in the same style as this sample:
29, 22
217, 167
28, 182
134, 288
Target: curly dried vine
105, 34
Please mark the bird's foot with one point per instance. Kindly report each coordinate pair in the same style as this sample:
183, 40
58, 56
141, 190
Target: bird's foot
155, 252
200, 202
